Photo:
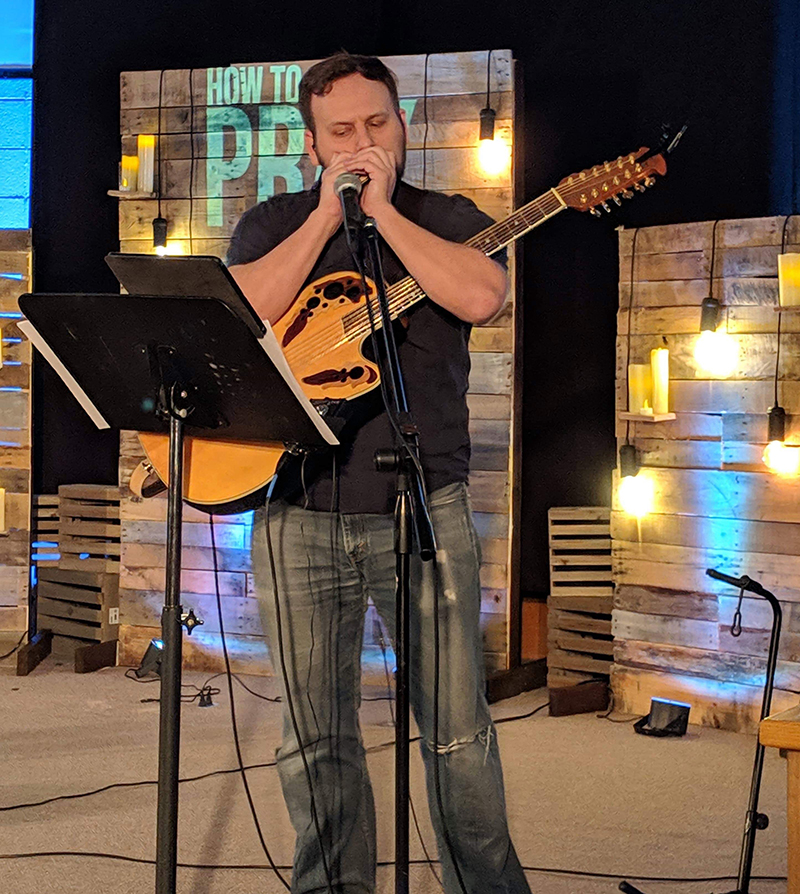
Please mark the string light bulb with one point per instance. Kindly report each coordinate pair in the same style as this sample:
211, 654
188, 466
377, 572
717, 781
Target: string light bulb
494, 154
715, 351
636, 492
779, 457
160, 235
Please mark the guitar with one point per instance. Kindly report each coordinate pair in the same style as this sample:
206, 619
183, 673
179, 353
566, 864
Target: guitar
323, 334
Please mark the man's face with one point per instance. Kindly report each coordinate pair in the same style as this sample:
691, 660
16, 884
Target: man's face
354, 114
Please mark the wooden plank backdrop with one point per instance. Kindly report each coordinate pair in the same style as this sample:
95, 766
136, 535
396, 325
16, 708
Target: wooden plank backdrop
15, 441
230, 137
717, 505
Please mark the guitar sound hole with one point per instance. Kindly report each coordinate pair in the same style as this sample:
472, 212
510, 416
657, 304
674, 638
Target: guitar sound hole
356, 372
354, 293
333, 290
313, 301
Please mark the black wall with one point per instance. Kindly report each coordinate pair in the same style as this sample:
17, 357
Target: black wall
600, 79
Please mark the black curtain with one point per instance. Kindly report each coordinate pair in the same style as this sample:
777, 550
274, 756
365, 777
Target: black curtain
599, 79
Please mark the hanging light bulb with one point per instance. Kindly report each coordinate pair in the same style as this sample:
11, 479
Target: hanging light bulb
160, 235
636, 492
715, 351
783, 459
637, 495
779, 457
494, 154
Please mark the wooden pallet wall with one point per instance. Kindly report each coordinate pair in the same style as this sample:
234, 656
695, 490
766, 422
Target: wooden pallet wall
716, 504
15, 442
231, 137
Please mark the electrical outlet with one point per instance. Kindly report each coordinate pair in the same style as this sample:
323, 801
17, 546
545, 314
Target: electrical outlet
113, 616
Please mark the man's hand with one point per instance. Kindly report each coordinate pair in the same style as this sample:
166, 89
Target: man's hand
330, 205
380, 166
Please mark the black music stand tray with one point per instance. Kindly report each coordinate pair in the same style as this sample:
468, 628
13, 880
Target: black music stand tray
171, 364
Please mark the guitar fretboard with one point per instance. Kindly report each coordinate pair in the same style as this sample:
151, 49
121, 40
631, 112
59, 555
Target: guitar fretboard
406, 292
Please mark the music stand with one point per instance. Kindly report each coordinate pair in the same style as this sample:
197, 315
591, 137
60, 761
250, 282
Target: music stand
178, 364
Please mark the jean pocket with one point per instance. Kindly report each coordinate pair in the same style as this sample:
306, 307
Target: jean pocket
450, 493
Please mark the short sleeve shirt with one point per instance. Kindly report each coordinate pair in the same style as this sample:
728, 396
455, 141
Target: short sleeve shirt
433, 348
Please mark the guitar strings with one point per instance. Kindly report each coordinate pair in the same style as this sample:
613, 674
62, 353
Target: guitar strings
354, 326
406, 292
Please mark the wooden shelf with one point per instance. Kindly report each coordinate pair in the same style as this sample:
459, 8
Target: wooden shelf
131, 194
790, 309
647, 417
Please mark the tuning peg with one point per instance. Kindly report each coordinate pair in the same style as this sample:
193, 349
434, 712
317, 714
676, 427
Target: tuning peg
605, 207
650, 181
617, 200
627, 194
594, 212
638, 187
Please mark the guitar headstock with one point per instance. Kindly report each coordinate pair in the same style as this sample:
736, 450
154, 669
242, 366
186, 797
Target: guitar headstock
595, 187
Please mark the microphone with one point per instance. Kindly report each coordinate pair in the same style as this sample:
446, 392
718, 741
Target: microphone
348, 187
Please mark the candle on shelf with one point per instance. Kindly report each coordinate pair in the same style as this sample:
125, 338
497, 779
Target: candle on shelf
2, 509
659, 361
789, 279
640, 387
146, 144
129, 173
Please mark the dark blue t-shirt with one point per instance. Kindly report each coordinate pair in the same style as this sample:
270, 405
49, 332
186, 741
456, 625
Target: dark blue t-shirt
433, 350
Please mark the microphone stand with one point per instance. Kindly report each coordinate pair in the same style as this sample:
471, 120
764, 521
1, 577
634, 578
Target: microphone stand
754, 821
411, 517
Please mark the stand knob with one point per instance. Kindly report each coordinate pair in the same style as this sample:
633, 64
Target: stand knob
762, 821
190, 621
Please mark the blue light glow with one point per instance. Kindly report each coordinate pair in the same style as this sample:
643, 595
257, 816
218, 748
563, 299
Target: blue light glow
16, 35
16, 107
669, 701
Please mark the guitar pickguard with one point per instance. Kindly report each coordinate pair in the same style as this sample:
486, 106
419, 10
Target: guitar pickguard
317, 338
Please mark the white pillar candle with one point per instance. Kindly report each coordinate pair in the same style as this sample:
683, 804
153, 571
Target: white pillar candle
659, 361
789, 279
146, 144
129, 173
640, 387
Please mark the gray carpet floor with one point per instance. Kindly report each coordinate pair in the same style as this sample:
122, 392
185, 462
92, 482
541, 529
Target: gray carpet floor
583, 794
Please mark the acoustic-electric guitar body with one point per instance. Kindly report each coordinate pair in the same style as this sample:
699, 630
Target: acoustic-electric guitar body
323, 333
322, 336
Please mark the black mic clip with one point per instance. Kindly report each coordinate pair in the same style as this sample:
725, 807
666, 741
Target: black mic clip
348, 187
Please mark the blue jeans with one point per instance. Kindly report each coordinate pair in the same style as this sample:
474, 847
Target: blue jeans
327, 566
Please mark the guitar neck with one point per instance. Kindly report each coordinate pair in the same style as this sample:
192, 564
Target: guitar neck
406, 292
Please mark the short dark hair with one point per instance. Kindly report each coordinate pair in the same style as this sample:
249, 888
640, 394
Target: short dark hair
319, 79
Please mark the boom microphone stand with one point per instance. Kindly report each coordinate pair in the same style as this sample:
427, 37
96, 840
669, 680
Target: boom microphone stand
753, 819
411, 516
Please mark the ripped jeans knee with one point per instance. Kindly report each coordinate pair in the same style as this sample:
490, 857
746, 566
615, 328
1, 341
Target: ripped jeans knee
484, 736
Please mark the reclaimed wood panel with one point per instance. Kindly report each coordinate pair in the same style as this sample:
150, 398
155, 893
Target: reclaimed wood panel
716, 503
15, 433
247, 113
715, 703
